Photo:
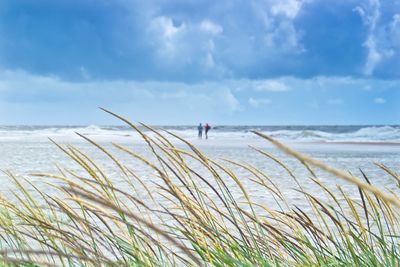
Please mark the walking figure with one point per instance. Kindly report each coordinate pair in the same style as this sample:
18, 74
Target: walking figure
207, 128
200, 128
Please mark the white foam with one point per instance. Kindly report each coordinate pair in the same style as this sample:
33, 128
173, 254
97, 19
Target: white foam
366, 134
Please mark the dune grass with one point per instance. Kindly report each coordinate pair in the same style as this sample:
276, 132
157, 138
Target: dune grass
207, 217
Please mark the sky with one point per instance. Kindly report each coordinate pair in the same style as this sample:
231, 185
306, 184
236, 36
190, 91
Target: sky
173, 62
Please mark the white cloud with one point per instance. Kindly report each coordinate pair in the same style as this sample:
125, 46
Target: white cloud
20, 88
373, 57
288, 8
210, 27
24, 93
231, 100
278, 17
370, 16
376, 43
339, 80
188, 43
264, 31
285, 38
379, 100
168, 36
270, 86
167, 27
394, 31
258, 102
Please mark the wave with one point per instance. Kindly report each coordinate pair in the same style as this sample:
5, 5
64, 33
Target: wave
382, 133
284, 133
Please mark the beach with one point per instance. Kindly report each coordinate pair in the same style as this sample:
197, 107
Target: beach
170, 178
29, 150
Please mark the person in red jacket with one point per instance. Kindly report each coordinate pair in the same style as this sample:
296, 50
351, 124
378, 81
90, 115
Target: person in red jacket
207, 128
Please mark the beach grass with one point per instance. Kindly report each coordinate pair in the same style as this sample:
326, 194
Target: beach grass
197, 211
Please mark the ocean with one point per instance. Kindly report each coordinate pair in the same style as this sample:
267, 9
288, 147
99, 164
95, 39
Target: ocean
296, 133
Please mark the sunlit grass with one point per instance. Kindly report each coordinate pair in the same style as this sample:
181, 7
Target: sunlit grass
197, 211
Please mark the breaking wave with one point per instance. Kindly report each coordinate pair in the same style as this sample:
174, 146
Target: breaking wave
284, 133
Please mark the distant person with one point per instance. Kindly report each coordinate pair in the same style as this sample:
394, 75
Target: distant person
200, 128
207, 128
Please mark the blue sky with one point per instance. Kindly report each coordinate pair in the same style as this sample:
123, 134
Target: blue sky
185, 61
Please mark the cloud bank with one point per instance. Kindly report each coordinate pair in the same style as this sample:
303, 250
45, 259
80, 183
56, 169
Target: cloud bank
166, 62
36, 99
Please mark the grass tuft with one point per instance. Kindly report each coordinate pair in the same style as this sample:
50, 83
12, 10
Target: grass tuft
192, 210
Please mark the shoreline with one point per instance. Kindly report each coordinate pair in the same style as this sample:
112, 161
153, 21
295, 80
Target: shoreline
375, 143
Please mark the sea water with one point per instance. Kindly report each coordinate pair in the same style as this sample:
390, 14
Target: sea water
348, 133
